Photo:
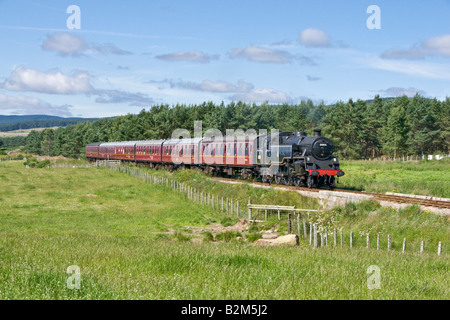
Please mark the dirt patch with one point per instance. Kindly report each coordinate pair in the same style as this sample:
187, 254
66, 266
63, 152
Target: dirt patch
52, 159
90, 195
241, 225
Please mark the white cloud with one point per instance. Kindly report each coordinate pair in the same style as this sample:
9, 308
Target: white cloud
30, 105
414, 53
65, 44
68, 44
213, 86
312, 37
116, 96
439, 45
398, 92
261, 54
413, 68
53, 82
262, 95
191, 56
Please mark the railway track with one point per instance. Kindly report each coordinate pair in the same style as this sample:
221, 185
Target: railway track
436, 203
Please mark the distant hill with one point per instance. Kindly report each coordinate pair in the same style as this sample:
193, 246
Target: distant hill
11, 123
9, 119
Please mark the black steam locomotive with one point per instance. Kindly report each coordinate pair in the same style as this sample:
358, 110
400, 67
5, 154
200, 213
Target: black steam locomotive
289, 158
305, 161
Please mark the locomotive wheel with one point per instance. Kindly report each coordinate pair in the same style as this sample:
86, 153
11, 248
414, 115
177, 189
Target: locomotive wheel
310, 182
332, 182
277, 179
287, 180
296, 181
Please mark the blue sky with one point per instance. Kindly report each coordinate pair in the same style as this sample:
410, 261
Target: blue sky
129, 55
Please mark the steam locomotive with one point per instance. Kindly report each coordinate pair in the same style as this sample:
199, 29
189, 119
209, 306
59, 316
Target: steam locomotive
289, 158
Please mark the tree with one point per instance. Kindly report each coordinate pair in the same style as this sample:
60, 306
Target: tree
396, 131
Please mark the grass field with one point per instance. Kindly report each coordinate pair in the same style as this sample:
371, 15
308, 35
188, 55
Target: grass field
21, 132
428, 178
116, 229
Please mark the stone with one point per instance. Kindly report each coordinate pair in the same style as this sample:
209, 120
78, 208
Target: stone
290, 240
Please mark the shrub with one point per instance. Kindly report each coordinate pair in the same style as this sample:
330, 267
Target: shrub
43, 164
227, 221
227, 236
252, 237
208, 237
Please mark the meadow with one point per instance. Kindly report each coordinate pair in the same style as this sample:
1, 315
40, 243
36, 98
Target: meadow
428, 177
122, 233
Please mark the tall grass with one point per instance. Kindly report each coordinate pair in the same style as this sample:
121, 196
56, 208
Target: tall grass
114, 227
429, 178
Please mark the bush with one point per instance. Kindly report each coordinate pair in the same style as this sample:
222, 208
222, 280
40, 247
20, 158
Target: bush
43, 164
227, 236
208, 237
252, 237
33, 163
227, 222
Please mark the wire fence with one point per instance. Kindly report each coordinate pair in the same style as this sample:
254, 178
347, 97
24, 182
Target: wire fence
300, 221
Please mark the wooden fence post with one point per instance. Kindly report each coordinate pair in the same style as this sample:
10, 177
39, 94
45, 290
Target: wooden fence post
389, 242
421, 246
326, 237
289, 224
310, 233
378, 241
298, 225
351, 239
279, 216
305, 232
439, 248
315, 236
265, 215
404, 245
368, 241
222, 203
335, 237
249, 211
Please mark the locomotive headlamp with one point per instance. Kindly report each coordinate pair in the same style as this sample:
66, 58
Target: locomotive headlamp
334, 160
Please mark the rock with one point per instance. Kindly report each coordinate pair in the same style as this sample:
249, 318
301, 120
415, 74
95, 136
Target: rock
269, 235
290, 240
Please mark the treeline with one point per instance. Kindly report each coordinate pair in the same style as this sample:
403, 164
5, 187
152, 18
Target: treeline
47, 123
10, 142
359, 129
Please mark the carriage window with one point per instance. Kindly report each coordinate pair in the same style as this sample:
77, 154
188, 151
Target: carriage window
234, 150
240, 149
246, 149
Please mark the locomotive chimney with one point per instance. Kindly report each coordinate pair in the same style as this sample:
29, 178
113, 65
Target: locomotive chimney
317, 132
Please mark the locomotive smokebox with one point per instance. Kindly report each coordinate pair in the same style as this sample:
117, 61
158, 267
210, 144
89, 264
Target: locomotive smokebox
317, 132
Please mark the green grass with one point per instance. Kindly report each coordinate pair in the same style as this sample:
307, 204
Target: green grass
429, 178
120, 240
